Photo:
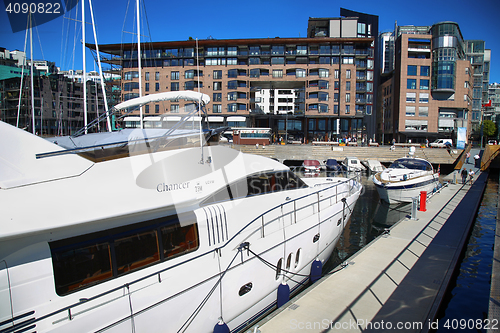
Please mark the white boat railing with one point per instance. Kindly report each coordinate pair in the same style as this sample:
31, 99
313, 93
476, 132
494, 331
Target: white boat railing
313, 202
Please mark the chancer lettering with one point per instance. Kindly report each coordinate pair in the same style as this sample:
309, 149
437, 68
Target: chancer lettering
162, 187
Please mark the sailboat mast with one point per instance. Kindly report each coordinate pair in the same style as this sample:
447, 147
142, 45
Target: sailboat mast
32, 84
22, 77
100, 70
84, 77
139, 57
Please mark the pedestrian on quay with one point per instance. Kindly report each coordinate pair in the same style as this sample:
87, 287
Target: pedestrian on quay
464, 175
471, 176
476, 160
467, 157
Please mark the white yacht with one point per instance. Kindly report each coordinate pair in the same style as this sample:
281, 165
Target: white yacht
172, 239
405, 179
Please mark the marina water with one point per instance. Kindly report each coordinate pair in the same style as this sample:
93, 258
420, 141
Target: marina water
468, 293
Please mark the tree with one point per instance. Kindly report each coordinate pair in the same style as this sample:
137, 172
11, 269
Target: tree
489, 129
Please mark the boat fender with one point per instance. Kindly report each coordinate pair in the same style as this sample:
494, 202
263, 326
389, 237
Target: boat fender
221, 327
316, 268
283, 294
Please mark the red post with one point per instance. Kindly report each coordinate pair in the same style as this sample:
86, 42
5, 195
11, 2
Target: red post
423, 200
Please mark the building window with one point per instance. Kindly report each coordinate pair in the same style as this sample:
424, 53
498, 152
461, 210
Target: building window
348, 60
423, 98
348, 98
131, 75
174, 75
335, 109
277, 73
146, 76
217, 74
411, 97
146, 110
412, 70
147, 87
336, 74
348, 74
217, 108
411, 83
217, 97
300, 73
324, 72
157, 87
157, 108
277, 61
347, 109
423, 111
348, 85
410, 111
424, 84
157, 76
174, 86
425, 71
174, 108
217, 85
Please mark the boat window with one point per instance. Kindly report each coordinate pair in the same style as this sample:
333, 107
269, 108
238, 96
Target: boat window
409, 163
257, 184
135, 251
83, 261
178, 240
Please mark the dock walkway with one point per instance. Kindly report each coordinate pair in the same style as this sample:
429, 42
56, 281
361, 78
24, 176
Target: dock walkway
397, 281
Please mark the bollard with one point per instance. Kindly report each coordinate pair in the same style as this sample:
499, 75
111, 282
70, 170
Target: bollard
414, 203
423, 200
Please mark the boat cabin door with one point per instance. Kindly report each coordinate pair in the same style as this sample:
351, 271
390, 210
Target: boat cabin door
5, 299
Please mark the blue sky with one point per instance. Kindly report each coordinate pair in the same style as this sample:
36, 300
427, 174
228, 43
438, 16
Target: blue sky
178, 20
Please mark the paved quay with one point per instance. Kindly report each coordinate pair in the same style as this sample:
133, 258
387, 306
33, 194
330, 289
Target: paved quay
397, 281
383, 154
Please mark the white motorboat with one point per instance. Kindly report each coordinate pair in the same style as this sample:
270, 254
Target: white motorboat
373, 166
352, 164
173, 240
405, 179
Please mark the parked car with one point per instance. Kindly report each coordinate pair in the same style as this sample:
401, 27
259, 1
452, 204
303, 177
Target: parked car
441, 143
492, 142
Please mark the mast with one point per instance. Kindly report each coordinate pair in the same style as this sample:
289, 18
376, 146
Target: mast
32, 84
139, 57
22, 79
84, 77
100, 70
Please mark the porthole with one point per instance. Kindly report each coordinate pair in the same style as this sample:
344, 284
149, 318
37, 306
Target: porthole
297, 258
289, 262
278, 268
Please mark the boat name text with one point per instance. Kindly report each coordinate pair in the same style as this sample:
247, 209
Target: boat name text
163, 187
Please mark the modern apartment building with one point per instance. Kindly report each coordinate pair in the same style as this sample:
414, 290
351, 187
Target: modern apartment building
428, 95
320, 87
492, 104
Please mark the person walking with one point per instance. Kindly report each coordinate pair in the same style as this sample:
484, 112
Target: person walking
467, 157
471, 175
464, 175
476, 161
